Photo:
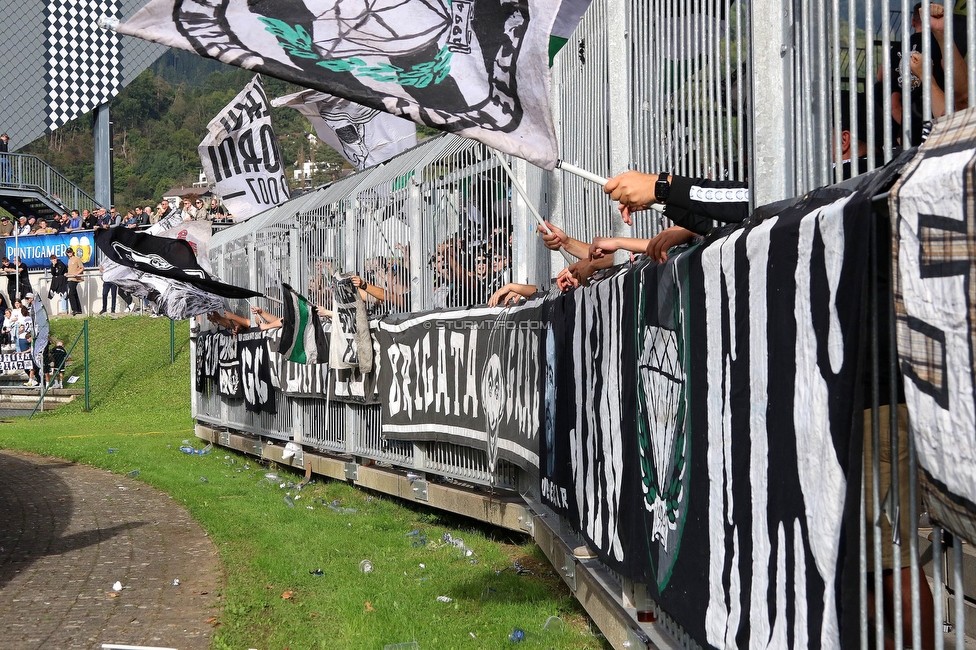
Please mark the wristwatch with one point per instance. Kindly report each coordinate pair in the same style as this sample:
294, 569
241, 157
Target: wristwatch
662, 188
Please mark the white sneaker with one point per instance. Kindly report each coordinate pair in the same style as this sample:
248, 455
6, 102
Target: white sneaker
31, 382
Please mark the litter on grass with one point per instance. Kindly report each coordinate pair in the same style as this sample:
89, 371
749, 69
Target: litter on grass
444, 599
186, 448
517, 636
334, 506
134, 473
518, 568
366, 566
554, 624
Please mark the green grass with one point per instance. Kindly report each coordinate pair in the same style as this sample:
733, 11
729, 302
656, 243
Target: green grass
140, 405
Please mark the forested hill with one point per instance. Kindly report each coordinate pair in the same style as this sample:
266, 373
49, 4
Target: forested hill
158, 122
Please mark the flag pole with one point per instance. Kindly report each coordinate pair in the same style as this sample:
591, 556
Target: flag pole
599, 180
525, 197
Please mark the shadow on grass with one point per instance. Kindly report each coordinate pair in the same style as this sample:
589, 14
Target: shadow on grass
36, 507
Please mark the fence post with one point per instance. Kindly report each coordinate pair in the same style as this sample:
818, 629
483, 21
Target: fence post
296, 259
252, 255
553, 261
87, 385
172, 341
618, 58
351, 237
421, 280
525, 246
771, 59
352, 416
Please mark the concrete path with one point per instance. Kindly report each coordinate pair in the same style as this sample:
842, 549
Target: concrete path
68, 532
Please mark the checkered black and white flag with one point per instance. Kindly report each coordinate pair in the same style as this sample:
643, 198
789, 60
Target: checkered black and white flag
83, 66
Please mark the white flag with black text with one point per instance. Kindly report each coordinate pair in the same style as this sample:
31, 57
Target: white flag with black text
240, 154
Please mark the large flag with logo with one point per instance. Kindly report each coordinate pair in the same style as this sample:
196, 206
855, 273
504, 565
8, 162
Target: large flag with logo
475, 68
240, 154
170, 258
364, 136
171, 298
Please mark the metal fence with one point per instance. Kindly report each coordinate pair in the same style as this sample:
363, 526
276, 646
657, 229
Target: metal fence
758, 92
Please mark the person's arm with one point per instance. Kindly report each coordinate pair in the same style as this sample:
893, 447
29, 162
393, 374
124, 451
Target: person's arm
511, 293
960, 83
603, 245
658, 247
219, 320
265, 320
367, 290
234, 319
938, 96
556, 239
726, 201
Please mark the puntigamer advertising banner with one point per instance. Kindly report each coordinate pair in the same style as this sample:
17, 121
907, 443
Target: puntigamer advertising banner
36, 250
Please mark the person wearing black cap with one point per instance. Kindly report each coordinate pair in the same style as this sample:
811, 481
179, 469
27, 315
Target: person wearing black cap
6, 226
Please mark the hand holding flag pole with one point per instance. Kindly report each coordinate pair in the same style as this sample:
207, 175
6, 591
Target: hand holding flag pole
600, 180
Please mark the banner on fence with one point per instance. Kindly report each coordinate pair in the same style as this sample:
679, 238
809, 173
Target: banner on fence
453, 375
257, 382
935, 304
697, 421
248, 367
16, 361
36, 250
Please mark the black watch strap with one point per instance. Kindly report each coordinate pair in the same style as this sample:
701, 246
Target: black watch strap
662, 188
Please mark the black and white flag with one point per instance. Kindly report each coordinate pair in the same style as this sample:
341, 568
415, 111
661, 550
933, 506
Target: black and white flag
351, 347
934, 227
475, 68
240, 154
170, 258
171, 298
228, 366
16, 361
256, 372
364, 136
469, 377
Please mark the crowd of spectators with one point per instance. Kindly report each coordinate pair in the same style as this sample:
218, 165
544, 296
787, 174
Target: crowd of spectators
192, 208
68, 272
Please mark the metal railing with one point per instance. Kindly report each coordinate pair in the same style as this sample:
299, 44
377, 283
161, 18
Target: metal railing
28, 172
